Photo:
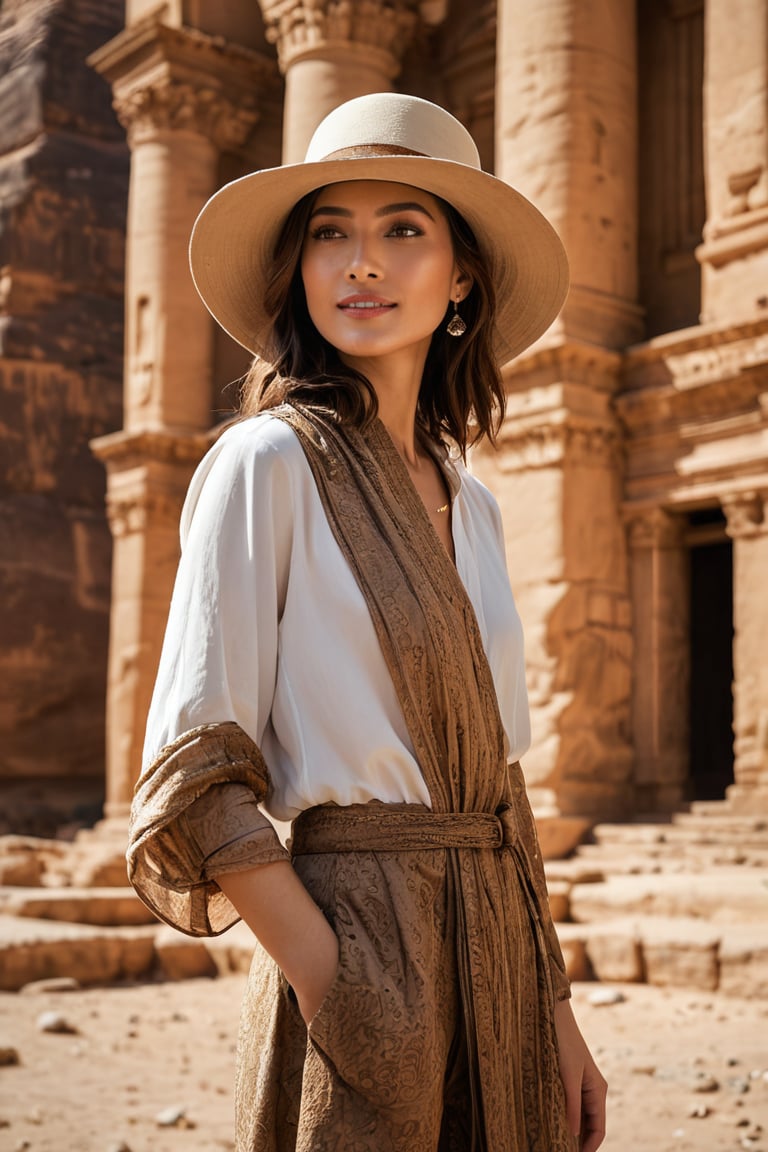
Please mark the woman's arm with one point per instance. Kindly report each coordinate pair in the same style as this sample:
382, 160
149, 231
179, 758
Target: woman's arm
277, 908
585, 1088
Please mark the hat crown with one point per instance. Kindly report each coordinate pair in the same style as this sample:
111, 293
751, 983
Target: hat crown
394, 121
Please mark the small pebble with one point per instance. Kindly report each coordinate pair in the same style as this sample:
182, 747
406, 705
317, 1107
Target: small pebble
699, 1111
55, 1022
738, 1084
704, 1083
173, 1117
679, 1133
121, 1146
602, 997
9, 1056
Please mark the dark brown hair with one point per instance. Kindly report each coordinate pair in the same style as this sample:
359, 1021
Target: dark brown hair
461, 383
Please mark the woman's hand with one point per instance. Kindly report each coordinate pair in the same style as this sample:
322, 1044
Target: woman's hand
316, 971
289, 925
585, 1088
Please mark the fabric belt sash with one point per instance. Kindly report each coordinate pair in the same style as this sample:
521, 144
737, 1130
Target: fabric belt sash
397, 828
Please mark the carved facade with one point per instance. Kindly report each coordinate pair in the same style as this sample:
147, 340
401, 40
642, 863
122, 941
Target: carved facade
632, 467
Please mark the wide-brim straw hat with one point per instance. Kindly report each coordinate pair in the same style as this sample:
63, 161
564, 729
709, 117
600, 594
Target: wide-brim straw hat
393, 137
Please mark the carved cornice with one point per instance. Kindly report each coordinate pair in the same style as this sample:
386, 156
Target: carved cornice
694, 356
124, 450
140, 512
553, 358
179, 79
528, 444
168, 105
692, 381
745, 513
307, 28
653, 528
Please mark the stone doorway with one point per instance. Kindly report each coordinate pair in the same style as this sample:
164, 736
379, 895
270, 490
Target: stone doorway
711, 656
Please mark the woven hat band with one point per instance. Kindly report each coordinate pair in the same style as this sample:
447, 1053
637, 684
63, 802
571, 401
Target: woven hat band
370, 151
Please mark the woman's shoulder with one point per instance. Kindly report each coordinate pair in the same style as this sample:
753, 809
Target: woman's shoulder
257, 454
262, 435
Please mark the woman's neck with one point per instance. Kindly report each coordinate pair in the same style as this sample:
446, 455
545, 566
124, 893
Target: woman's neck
397, 383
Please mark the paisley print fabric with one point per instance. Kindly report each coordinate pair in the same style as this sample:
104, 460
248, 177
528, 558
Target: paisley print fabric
437, 1034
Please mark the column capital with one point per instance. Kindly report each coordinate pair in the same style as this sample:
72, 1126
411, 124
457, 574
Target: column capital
302, 29
745, 513
168, 104
178, 79
653, 528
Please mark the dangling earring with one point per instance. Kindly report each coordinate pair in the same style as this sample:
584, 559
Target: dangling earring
456, 326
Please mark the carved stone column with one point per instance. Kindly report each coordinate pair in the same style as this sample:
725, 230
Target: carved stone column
659, 586
148, 474
557, 476
566, 137
183, 98
747, 516
331, 51
734, 255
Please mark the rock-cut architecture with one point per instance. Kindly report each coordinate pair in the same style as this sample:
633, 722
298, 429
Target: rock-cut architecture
632, 466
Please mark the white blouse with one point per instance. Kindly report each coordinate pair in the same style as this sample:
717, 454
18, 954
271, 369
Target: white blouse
268, 628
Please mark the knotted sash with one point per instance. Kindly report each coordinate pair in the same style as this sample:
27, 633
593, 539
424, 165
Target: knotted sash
431, 642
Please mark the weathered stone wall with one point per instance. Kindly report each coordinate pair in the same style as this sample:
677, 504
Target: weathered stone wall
63, 187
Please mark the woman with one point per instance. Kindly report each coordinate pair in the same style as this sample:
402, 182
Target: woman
343, 648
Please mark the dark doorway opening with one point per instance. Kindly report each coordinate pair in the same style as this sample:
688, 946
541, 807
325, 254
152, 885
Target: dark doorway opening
711, 695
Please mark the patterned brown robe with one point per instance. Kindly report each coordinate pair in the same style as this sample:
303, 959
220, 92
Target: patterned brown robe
437, 1032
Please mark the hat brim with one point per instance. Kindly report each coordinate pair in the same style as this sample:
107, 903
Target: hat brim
233, 241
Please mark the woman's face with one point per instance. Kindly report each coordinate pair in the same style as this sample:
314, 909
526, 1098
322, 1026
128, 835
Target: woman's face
378, 268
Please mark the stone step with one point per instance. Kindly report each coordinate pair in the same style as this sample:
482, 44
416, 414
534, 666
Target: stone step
33, 950
670, 951
40, 949
730, 895
731, 824
105, 907
621, 858
697, 831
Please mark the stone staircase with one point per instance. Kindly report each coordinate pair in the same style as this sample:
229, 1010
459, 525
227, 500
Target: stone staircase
681, 902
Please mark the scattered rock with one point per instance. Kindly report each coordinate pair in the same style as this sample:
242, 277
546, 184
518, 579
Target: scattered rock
602, 997
174, 1117
121, 1146
8, 1056
699, 1111
703, 1082
55, 1022
738, 1084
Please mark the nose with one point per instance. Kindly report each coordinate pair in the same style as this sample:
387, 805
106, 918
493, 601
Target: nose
362, 264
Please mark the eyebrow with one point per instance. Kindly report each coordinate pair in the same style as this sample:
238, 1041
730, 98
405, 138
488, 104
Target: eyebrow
387, 210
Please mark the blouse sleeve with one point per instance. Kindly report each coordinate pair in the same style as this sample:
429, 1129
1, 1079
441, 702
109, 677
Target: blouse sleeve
196, 810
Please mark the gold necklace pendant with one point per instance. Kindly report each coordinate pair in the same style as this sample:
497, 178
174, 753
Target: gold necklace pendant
443, 507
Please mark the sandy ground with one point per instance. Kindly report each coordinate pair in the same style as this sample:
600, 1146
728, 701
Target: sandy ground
686, 1070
